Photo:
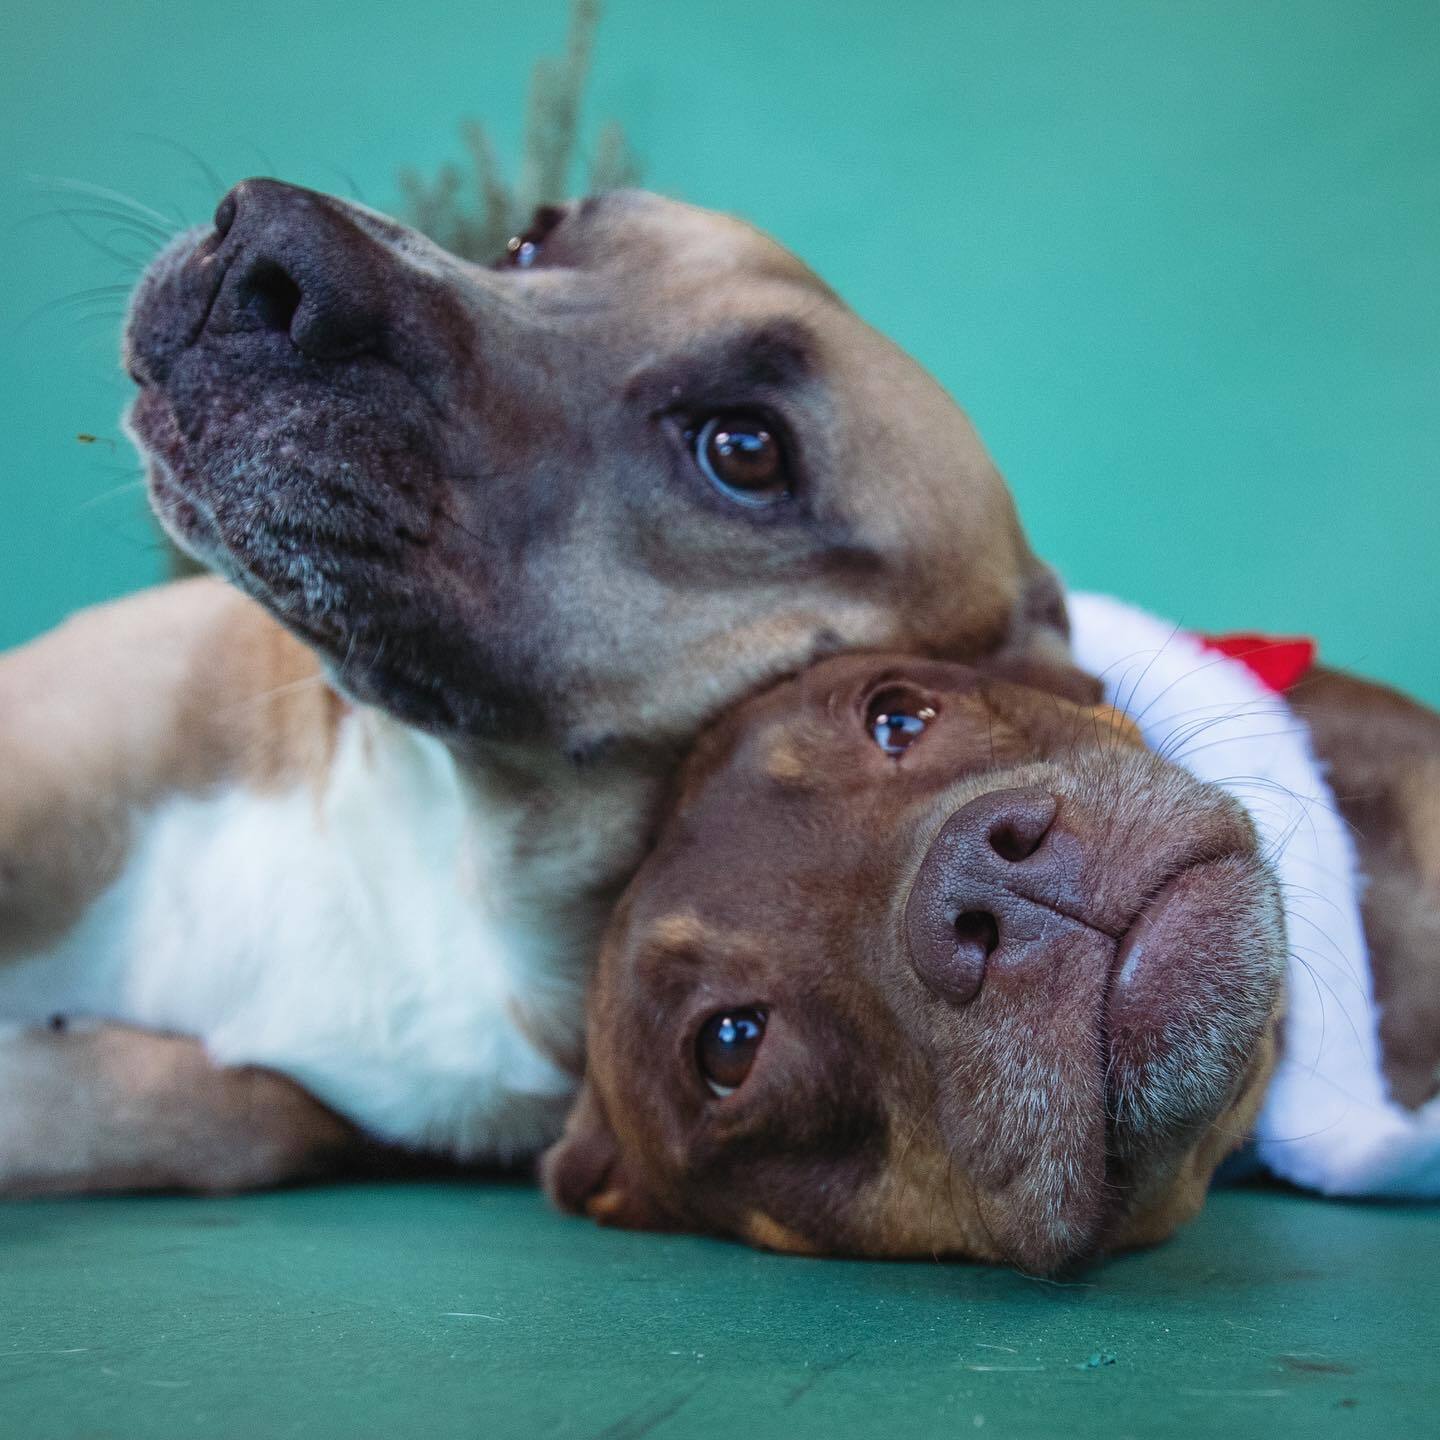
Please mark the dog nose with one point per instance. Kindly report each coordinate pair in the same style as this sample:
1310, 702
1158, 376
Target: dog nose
296, 264
971, 901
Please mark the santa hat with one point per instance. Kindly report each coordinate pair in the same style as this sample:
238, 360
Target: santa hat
1214, 706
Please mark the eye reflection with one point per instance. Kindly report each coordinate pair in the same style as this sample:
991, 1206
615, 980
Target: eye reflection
726, 1047
523, 250
740, 454
897, 718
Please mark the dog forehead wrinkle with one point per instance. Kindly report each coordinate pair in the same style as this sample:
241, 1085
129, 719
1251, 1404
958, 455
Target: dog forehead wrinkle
773, 354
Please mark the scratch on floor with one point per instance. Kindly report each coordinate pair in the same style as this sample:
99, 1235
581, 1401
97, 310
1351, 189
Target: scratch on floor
641, 1422
817, 1374
1232, 1394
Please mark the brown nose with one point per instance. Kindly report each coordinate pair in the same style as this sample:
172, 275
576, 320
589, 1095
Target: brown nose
980, 896
296, 264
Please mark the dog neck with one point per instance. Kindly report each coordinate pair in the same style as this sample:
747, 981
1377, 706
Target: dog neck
549, 843
402, 925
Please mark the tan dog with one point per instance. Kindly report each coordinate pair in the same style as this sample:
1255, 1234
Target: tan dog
983, 977
327, 859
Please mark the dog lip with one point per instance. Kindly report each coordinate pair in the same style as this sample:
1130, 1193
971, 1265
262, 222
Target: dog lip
1141, 928
181, 284
1183, 991
1145, 925
220, 266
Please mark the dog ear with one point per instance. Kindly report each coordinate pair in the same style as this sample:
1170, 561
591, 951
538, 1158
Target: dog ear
1039, 624
1036, 651
585, 1173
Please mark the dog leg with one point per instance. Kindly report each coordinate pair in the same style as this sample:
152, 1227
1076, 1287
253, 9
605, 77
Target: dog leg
113, 1108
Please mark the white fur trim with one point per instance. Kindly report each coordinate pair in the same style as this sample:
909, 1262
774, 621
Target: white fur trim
1328, 1122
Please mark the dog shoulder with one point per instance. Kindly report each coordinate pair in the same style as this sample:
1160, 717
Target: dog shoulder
176, 689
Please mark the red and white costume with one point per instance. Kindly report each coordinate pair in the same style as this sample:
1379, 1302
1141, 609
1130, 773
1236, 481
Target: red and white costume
1216, 707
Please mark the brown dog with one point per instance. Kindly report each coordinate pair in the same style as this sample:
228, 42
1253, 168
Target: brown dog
336, 861
929, 962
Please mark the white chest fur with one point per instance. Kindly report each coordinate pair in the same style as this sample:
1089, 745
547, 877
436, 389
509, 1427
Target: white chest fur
370, 938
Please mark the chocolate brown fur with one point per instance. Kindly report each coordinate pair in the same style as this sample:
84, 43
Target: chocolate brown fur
1075, 1098
1383, 752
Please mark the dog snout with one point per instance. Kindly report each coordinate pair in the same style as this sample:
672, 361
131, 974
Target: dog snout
297, 265
970, 905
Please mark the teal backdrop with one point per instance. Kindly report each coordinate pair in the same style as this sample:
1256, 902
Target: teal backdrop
1180, 261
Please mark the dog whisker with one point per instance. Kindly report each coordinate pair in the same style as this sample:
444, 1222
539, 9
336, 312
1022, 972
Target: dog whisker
76, 299
1129, 704
214, 185
1285, 732
131, 264
129, 488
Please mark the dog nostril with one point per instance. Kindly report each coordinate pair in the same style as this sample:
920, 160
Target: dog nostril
977, 933
225, 214
271, 296
1020, 828
1015, 842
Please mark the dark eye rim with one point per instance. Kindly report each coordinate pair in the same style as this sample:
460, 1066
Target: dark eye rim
696, 426
543, 224
876, 700
690, 1045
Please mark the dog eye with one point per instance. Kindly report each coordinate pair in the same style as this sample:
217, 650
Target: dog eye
740, 454
896, 718
726, 1048
523, 250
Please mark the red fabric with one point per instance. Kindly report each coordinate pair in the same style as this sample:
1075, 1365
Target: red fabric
1277, 661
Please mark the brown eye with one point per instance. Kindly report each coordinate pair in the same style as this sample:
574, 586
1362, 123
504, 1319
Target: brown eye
897, 718
523, 250
741, 456
726, 1048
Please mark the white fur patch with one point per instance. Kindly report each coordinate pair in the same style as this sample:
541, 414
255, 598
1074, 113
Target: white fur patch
354, 939
1328, 1121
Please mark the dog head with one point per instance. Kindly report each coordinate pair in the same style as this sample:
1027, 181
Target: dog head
929, 962
591, 494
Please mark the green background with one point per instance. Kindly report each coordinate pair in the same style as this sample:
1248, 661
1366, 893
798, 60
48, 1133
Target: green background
1180, 261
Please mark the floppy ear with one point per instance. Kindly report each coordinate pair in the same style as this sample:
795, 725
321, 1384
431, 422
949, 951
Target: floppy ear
1039, 625
585, 1173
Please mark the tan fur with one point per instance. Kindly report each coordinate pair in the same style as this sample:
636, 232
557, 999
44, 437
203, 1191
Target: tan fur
229, 697
680, 934
760, 1229
565, 627
121, 1109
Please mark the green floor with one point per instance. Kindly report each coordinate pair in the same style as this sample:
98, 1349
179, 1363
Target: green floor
449, 1310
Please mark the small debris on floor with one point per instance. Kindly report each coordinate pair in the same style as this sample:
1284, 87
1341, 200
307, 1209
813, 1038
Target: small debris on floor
1095, 1361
